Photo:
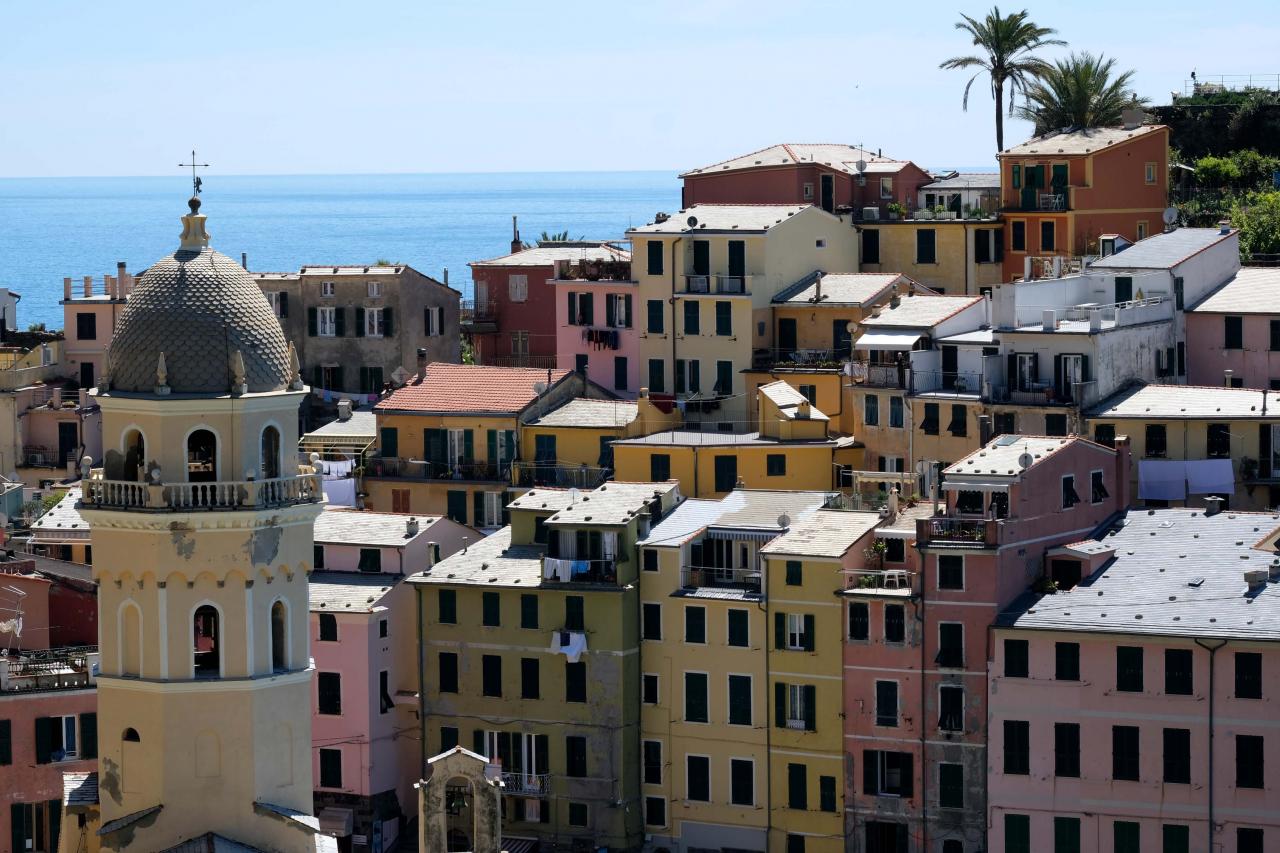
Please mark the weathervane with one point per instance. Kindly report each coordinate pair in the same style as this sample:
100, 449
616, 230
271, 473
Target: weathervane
195, 180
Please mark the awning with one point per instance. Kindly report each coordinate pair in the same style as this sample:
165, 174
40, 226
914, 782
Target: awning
519, 845
887, 340
336, 822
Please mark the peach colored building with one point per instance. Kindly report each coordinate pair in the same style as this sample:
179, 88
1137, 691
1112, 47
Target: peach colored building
89, 317
596, 327
917, 633
363, 641
1062, 192
1233, 335
1134, 711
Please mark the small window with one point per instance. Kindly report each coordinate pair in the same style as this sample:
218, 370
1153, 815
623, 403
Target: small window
1129, 669
1017, 833
695, 625
859, 619
1105, 434
887, 703
659, 468
651, 628
491, 674
1249, 752
950, 571
370, 560
1067, 661
1149, 173
926, 246
575, 756
1248, 675
654, 257
895, 412
1017, 747
528, 611
328, 628
1248, 839
742, 782
951, 786
1047, 235
1097, 488
649, 689
1233, 333
575, 617
1156, 441
650, 560
1016, 655
959, 425
740, 705
929, 424
447, 607
382, 629
491, 609
1124, 753
1218, 441
1069, 496
1177, 756
871, 410
1177, 672
950, 708
1055, 425
695, 697
1066, 750
654, 318
651, 752
448, 672
950, 645
530, 680
578, 814
655, 811
776, 465
795, 573
1018, 236
894, 623
738, 628
575, 682
329, 689
330, 768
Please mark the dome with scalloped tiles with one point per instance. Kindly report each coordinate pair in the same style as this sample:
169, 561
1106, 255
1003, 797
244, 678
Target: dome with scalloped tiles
198, 307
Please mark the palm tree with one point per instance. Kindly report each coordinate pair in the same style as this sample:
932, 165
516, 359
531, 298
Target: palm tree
1079, 91
1008, 41
554, 237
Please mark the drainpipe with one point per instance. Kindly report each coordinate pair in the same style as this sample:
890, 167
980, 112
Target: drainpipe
1212, 652
422, 693
673, 321
769, 723
924, 695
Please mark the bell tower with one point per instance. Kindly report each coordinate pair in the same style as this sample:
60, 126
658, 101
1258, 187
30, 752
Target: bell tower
202, 525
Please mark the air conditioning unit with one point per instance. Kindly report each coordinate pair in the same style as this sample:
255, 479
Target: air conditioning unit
872, 213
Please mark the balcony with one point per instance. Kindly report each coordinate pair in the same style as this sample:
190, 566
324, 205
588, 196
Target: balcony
890, 582
949, 383
558, 475
69, 668
394, 467
540, 362
482, 311
878, 375
727, 285
37, 456
1052, 199
593, 270
799, 359
959, 532
98, 493
710, 577
525, 784
564, 570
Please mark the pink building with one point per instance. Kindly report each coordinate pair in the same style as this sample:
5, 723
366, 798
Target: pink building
917, 638
89, 316
48, 708
1134, 711
1233, 335
363, 639
596, 332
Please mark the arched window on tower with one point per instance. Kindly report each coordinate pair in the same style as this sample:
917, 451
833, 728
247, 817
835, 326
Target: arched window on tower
202, 457
135, 456
270, 453
279, 637
207, 651
131, 736
130, 628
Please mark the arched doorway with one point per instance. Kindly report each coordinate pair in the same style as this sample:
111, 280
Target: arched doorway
135, 456
207, 654
460, 815
279, 637
202, 457
270, 451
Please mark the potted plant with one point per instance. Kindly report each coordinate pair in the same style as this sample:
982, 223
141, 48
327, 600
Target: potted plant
875, 554
1248, 468
896, 209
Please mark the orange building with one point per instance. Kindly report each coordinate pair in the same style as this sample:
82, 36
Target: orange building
1062, 191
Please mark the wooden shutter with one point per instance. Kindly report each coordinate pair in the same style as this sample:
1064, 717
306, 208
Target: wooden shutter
89, 735
468, 446
491, 447
312, 322
808, 632
18, 826
610, 310
359, 321
1264, 451
908, 776
779, 630
282, 299
810, 693
626, 310
44, 739
870, 774
387, 326
55, 822
780, 705
477, 508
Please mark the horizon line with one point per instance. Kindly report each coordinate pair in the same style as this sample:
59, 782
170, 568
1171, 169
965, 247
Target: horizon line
354, 174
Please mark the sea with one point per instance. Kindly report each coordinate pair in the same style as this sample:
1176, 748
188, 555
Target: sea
51, 228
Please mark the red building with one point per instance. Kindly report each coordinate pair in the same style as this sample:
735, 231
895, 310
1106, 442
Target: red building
511, 319
833, 177
48, 702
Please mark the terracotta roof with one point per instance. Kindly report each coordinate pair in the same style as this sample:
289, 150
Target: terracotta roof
841, 157
545, 256
470, 388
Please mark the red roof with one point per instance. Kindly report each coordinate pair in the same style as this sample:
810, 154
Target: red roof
470, 388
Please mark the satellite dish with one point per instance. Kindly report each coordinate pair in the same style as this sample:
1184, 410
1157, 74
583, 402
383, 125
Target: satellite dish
539, 387
922, 467
1025, 460
693, 221
784, 520
1170, 215
861, 165
851, 327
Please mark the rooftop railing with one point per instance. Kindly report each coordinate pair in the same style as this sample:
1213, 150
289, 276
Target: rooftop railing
871, 375
305, 487
421, 469
541, 362
568, 570
473, 311
67, 668
558, 475
895, 581
799, 358
960, 532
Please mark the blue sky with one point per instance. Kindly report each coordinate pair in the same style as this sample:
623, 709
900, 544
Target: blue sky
284, 87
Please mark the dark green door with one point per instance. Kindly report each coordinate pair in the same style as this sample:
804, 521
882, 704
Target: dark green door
726, 473
68, 440
828, 193
701, 257
786, 336
949, 361
737, 258
841, 340
1124, 288
1033, 182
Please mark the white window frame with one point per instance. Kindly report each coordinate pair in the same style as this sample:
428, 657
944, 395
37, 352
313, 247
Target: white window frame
688, 799
666, 810
897, 702
962, 641
70, 726
662, 766
1142, 230
518, 288
884, 624
273, 298
435, 321
326, 321
1149, 173
684, 697
373, 322
964, 564
492, 509
1061, 483
808, 192
685, 638
1103, 472
750, 760
1072, 369
795, 707
374, 289
327, 289
795, 632
727, 630
455, 446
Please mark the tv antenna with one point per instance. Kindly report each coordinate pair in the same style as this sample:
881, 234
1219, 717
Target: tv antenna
193, 165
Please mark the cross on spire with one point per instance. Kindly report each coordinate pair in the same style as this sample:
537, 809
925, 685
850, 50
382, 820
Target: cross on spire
195, 180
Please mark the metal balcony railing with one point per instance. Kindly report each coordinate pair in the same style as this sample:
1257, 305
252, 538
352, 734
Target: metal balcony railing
568, 570
557, 474
880, 375
48, 669
894, 580
700, 577
526, 784
541, 362
484, 311
971, 532
305, 487
799, 358
419, 469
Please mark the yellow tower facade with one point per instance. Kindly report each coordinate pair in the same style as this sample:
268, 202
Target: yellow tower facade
202, 525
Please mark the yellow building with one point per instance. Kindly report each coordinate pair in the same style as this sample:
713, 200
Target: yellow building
705, 717
706, 279
792, 449
1190, 442
529, 642
572, 444
959, 257
448, 439
202, 535
806, 667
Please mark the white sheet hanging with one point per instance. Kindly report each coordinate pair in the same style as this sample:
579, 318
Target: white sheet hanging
340, 492
1210, 477
1162, 479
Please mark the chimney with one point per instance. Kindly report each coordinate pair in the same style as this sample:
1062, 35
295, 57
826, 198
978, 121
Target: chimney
644, 393
1256, 579
1212, 506
446, 276
411, 527
516, 245
893, 503
984, 430
344, 409
88, 285
422, 364
108, 285
1226, 377
896, 299
432, 547
1123, 472
1049, 320
1274, 570
66, 287
1224, 226
803, 410
121, 276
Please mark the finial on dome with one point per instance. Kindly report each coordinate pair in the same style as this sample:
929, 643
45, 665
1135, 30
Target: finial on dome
194, 237
295, 369
238, 383
162, 376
